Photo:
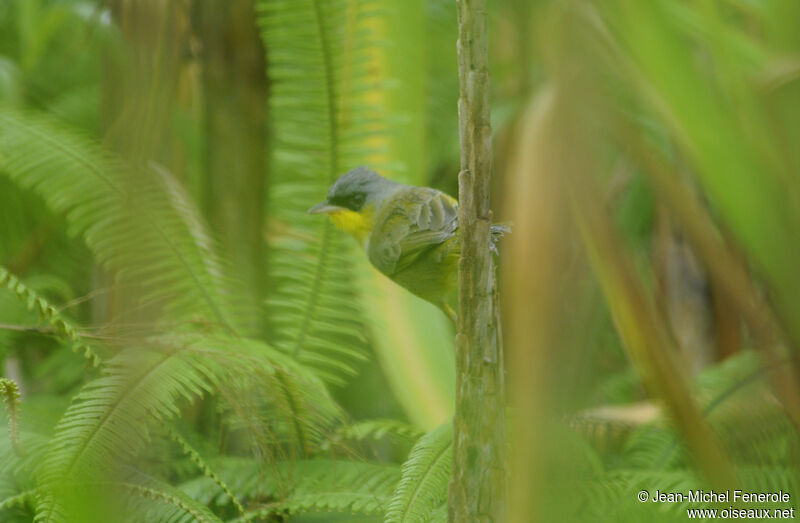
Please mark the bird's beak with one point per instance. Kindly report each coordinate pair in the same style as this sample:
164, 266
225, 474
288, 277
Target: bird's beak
324, 208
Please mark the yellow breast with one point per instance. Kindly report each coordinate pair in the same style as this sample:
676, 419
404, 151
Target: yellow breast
358, 224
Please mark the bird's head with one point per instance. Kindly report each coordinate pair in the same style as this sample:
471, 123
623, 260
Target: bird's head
353, 200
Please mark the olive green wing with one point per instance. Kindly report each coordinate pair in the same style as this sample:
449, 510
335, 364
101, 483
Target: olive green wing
414, 221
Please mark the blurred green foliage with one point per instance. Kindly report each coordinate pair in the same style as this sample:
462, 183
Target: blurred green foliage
181, 342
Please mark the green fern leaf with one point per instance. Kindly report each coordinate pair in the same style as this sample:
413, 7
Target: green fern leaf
206, 469
136, 220
47, 313
10, 392
17, 472
106, 422
314, 63
376, 429
18, 500
302, 486
160, 502
426, 473
109, 420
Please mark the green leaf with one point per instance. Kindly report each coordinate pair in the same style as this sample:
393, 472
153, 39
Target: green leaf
136, 220
322, 129
425, 475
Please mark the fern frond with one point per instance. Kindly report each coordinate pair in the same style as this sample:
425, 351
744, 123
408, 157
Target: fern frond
109, 420
171, 505
313, 309
379, 428
611, 496
17, 472
770, 479
293, 400
739, 407
439, 514
127, 215
206, 469
394, 431
10, 392
48, 313
19, 500
425, 475
303, 486
355, 487
359, 489
18, 469
249, 478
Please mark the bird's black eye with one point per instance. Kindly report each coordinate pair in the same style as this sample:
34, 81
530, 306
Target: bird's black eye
356, 201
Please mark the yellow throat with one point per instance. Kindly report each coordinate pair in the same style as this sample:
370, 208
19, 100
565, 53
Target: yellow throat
358, 224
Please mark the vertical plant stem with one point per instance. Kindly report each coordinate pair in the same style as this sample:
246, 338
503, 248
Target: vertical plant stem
477, 488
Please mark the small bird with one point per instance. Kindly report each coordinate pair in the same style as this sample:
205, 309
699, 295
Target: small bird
409, 234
